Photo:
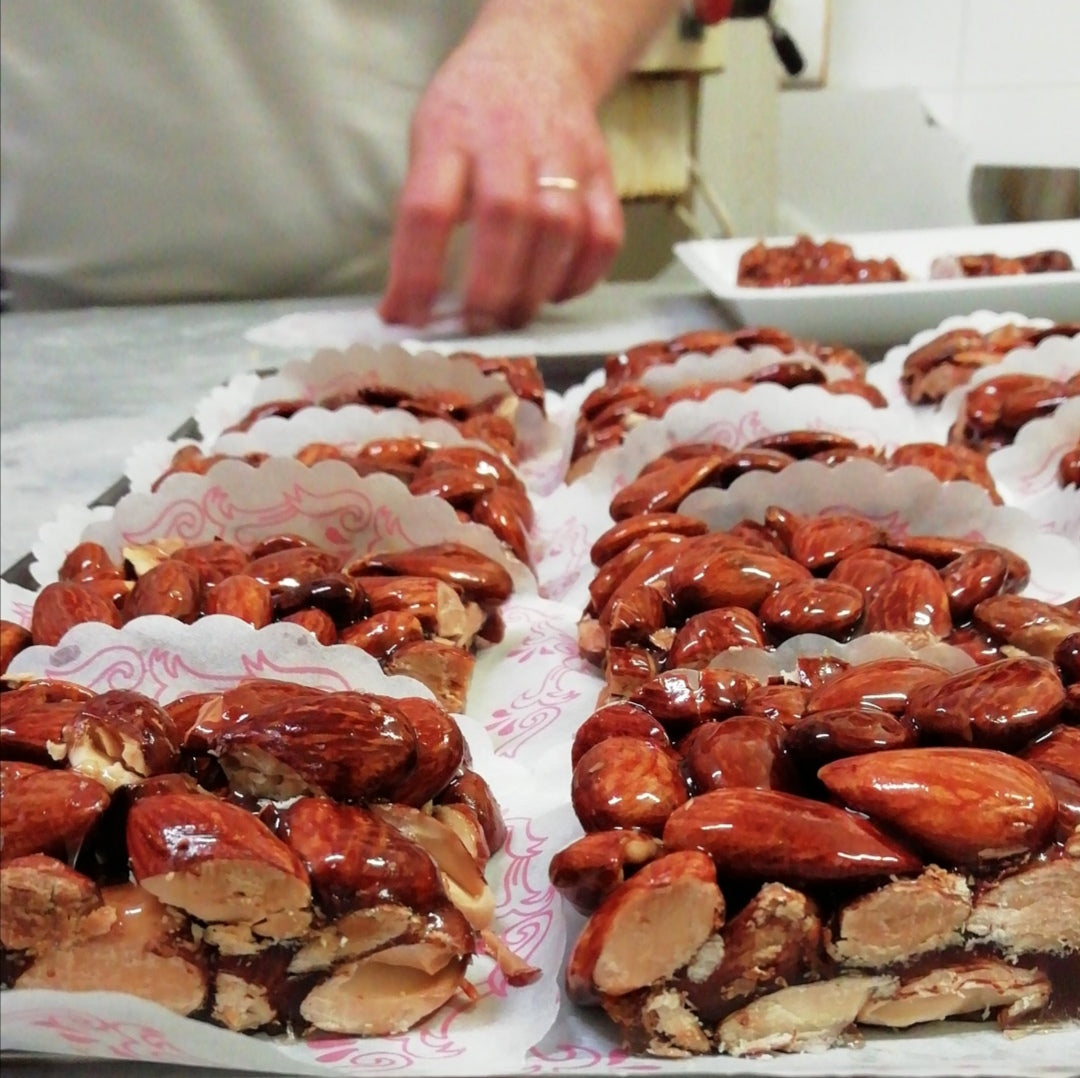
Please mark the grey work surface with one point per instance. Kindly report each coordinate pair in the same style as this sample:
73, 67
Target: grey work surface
79, 389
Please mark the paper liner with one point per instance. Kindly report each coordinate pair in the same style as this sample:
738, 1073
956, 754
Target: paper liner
572, 519
1026, 472
327, 503
525, 756
163, 659
330, 371
1053, 357
584, 1041
906, 501
284, 437
886, 374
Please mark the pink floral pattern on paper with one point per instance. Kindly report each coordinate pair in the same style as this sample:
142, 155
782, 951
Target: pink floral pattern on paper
353, 1055
1042, 472
22, 612
88, 1035
526, 911
538, 707
569, 1058
155, 671
336, 518
565, 554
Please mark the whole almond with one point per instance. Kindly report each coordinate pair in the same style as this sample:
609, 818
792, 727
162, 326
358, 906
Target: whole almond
317, 622
823, 736
13, 639
1031, 625
89, 561
1058, 750
46, 811
819, 542
626, 782
770, 835
346, 745
783, 704
711, 632
746, 750
171, 588
61, 605
621, 534
971, 578
618, 719
241, 597
867, 569
215, 560
1001, 706
730, 578
593, 866
913, 600
968, 807
882, 683
813, 606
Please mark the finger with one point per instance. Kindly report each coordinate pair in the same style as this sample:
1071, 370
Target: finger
602, 236
503, 220
433, 200
560, 225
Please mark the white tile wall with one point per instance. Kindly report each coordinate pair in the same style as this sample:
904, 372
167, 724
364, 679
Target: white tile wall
1005, 74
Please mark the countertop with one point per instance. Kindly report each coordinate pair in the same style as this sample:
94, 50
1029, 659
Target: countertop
80, 388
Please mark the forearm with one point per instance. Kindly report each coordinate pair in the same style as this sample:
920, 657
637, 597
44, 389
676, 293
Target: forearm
601, 38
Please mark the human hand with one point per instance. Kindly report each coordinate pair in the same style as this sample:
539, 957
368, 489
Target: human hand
505, 138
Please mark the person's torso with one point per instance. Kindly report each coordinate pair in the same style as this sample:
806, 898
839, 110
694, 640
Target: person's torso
167, 149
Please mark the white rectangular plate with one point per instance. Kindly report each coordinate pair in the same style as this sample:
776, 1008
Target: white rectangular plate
890, 312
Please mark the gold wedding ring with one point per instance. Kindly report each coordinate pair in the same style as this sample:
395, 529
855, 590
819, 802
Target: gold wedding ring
557, 183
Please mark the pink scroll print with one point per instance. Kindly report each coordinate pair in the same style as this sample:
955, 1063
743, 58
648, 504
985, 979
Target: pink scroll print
538, 707
566, 554
569, 1058
153, 672
88, 1035
336, 519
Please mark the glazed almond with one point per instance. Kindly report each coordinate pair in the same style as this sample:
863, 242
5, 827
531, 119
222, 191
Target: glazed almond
13, 639
1028, 624
825, 607
593, 866
355, 860
171, 589
626, 782
677, 896
746, 750
625, 532
618, 719
45, 811
821, 541
218, 862
241, 597
347, 745
970, 807
886, 684
769, 835
120, 738
61, 606
711, 632
913, 600
1000, 705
